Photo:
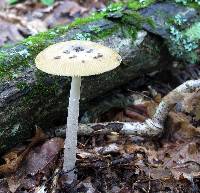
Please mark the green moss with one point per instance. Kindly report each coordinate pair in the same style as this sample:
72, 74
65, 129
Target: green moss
85, 20
183, 46
104, 33
193, 32
22, 85
115, 7
97, 33
137, 20
194, 5
189, 3
41, 89
2, 57
132, 22
16, 58
129, 31
135, 4
130, 4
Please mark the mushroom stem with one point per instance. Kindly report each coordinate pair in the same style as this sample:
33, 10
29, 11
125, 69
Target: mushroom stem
71, 130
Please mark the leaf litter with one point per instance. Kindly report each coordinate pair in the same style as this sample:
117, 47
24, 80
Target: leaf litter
106, 163
31, 17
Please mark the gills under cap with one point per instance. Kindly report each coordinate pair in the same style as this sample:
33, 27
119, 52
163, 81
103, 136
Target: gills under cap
77, 58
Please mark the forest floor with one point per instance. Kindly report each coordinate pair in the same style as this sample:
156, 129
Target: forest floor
107, 163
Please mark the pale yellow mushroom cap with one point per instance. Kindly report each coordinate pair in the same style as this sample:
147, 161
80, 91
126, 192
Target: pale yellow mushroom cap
77, 58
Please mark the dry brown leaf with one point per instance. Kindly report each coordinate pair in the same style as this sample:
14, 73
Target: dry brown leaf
151, 108
150, 153
30, 18
158, 173
70, 8
183, 153
64, 13
108, 149
42, 156
37, 164
35, 26
39, 136
3, 4
181, 158
191, 104
180, 127
118, 116
186, 171
134, 115
9, 33
14, 158
93, 4
132, 148
81, 154
173, 98
112, 137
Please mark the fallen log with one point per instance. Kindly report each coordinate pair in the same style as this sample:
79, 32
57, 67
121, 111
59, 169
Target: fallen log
29, 97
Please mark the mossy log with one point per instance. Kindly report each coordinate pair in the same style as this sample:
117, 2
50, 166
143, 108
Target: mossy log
29, 97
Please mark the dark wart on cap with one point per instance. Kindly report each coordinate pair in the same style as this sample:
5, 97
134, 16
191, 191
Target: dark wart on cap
57, 57
66, 52
90, 51
79, 49
98, 56
74, 56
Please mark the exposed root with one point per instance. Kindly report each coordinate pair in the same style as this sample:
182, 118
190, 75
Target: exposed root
151, 127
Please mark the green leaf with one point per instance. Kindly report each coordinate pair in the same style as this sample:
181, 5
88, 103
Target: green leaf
45, 2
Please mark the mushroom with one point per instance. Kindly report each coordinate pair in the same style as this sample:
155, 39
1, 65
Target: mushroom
75, 58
